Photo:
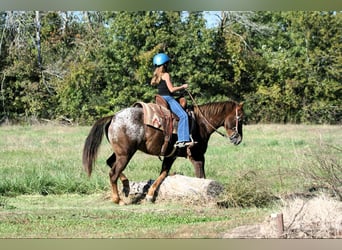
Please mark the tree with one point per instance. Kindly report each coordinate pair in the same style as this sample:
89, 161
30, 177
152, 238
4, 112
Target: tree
317, 37
300, 77
84, 65
19, 73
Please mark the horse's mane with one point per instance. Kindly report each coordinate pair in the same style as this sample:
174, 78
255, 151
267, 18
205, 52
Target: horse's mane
214, 108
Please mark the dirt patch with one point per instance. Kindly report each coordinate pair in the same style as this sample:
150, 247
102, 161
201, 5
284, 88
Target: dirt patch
318, 217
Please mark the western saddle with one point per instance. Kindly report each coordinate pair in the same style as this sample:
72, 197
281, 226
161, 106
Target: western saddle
160, 116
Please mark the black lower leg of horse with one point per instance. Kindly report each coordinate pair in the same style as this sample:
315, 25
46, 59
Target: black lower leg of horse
125, 184
198, 164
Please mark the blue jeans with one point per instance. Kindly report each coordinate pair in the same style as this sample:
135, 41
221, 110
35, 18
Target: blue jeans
183, 124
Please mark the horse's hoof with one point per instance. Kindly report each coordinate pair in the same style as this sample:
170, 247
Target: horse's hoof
115, 201
149, 198
119, 201
122, 203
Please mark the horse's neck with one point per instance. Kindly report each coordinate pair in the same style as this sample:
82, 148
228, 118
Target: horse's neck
212, 116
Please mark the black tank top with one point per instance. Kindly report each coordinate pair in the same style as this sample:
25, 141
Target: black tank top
163, 89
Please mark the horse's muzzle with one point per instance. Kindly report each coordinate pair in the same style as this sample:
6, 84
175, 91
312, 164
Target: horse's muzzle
235, 138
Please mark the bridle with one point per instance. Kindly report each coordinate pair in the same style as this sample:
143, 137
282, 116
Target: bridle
237, 120
235, 129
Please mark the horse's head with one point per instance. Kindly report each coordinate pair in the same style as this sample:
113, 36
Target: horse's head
233, 124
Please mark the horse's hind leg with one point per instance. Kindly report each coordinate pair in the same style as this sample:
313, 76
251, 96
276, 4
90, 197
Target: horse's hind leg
115, 173
110, 161
125, 183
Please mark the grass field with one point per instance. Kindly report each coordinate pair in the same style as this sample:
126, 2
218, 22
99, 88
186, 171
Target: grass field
44, 192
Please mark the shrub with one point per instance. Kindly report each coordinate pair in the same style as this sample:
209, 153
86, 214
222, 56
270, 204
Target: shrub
246, 190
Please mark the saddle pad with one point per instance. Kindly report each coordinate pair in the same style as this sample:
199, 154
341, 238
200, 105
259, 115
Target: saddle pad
156, 116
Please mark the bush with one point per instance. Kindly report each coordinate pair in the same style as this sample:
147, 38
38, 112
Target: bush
246, 190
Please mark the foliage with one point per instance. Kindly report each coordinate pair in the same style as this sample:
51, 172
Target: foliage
84, 65
301, 80
247, 190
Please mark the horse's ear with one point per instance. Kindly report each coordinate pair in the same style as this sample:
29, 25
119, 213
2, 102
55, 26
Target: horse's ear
241, 104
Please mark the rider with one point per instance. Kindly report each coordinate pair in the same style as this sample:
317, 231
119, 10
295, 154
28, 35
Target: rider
161, 77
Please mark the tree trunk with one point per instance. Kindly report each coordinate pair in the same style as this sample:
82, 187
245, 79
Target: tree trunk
38, 40
178, 187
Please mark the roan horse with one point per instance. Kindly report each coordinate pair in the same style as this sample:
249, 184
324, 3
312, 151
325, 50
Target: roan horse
127, 133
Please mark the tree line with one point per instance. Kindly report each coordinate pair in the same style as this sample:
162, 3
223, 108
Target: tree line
79, 66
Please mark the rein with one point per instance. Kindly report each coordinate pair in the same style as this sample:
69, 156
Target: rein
237, 118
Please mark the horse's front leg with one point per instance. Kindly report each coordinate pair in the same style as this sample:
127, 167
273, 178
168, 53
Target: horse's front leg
198, 163
167, 163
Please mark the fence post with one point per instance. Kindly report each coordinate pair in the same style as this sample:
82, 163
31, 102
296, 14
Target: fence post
279, 221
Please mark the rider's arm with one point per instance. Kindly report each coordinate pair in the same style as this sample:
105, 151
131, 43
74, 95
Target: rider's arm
167, 79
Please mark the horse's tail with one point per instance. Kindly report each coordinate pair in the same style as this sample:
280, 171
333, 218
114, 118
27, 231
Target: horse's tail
93, 142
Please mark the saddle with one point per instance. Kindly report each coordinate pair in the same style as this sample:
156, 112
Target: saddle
160, 101
160, 116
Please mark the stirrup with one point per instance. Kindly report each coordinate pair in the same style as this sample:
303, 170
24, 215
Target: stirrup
183, 144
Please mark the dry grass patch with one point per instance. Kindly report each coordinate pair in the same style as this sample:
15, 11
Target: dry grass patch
316, 218
322, 169
320, 217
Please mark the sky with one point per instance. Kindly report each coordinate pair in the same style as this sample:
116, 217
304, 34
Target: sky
211, 17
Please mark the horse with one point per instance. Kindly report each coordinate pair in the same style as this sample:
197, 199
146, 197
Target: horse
127, 133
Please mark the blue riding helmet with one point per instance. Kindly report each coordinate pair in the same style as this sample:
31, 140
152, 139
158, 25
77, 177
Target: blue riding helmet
160, 59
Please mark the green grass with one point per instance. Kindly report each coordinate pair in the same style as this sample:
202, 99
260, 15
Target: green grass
92, 216
44, 160
45, 193
47, 159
